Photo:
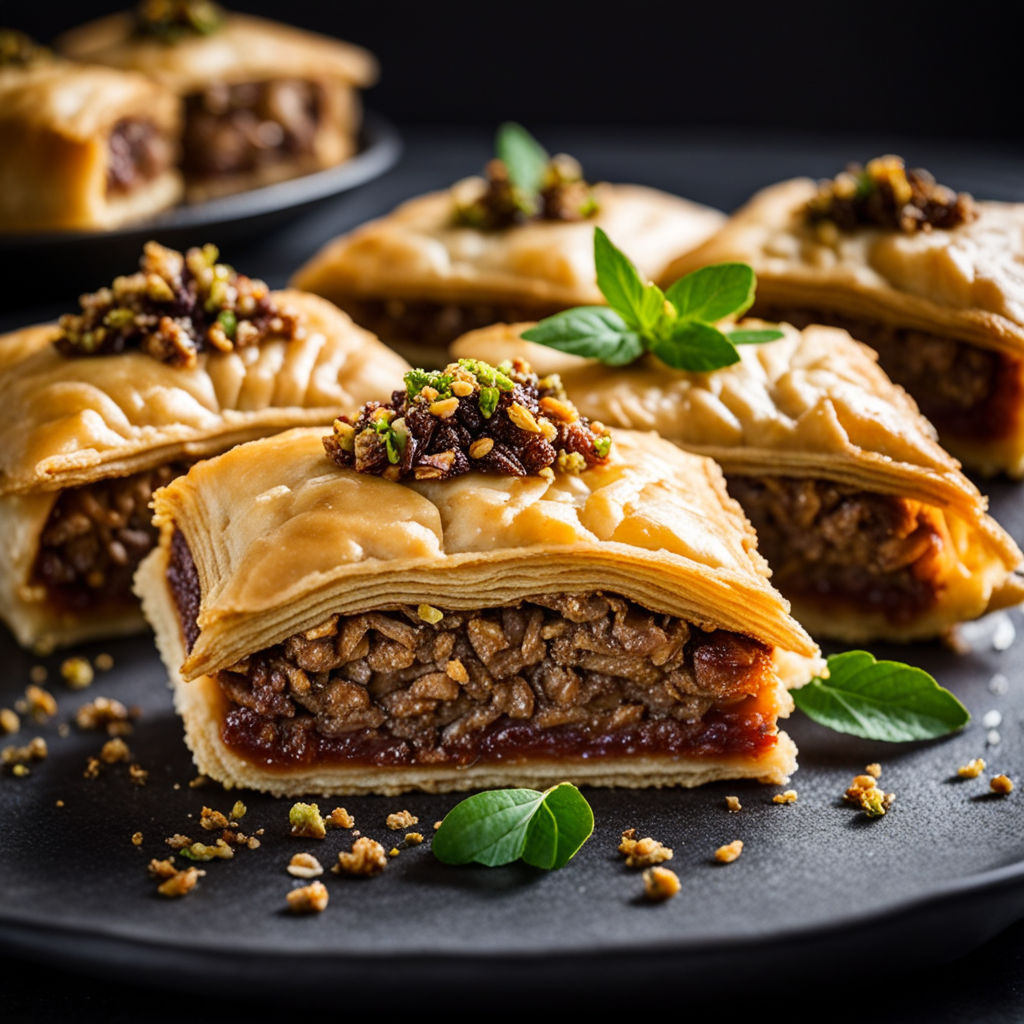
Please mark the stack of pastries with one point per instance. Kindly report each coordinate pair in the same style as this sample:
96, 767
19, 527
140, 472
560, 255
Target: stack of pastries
507, 565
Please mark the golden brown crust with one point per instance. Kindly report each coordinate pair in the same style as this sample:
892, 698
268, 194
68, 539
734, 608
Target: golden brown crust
55, 122
417, 252
814, 404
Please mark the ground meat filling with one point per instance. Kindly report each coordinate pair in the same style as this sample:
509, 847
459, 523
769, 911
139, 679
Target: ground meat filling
138, 152
94, 539
964, 390
240, 128
415, 322
838, 546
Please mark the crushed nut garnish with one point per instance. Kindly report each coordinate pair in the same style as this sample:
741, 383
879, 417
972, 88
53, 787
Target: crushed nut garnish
367, 858
136, 839
408, 436
59, 803
103, 662
733, 804
972, 769
161, 868
874, 770
306, 821
9, 722
37, 674
19, 771
34, 750
394, 851
413, 838
137, 774
211, 819
200, 851
238, 810
310, 899
885, 194
173, 20
39, 703
102, 713
789, 797
340, 818
304, 865
77, 673
864, 793
730, 852
642, 853
198, 782
115, 751
401, 819
178, 841
92, 768
660, 884
174, 308
1001, 784
180, 883
437, 825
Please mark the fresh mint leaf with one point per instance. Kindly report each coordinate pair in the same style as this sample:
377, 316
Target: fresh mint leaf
524, 157
696, 347
503, 825
638, 303
754, 336
592, 331
880, 700
714, 292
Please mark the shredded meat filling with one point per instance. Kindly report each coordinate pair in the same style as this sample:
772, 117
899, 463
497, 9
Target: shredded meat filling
95, 538
138, 152
232, 129
964, 390
832, 543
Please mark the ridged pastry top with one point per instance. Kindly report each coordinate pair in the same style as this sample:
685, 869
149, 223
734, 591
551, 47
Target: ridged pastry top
282, 539
244, 49
967, 282
67, 421
418, 251
81, 102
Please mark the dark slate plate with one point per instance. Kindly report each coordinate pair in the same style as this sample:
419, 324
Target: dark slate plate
817, 882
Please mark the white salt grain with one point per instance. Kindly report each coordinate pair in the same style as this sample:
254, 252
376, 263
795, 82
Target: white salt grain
993, 719
1004, 633
993, 737
999, 684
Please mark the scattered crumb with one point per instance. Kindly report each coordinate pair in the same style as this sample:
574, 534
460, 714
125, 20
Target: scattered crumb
138, 775
457, 671
340, 818
660, 884
413, 838
1001, 784
304, 865
59, 803
19, 771
1004, 633
999, 685
104, 662
178, 841
198, 782
730, 852
161, 868
180, 883
874, 770
212, 820
102, 713
437, 825
9, 722
992, 719
310, 899
394, 851
733, 804
39, 703
992, 738
37, 674
176, 786
864, 793
34, 750
136, 839
401, 819
77, 673
306, 821
367, 858
972, 769
200, 851
92, 768
642, 853
239, 810
115, 751
789, 797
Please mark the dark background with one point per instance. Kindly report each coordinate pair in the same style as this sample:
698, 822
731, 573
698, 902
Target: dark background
911, 69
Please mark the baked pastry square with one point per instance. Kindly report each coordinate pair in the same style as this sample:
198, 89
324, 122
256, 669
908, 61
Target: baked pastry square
451, 261
930, 279
262, 101
84, 440
870, 527
82, 147
332, 631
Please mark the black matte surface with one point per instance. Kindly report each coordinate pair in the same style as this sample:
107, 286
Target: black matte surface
815, 885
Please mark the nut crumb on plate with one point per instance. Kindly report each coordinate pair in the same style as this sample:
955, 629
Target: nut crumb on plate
730, 852
972, 769
1001, 784
180, 883
413, 838
77, 673
310, 899
366, 858
9, 722
137, 839
401, 819
306, 821
115, 751
642, 853
34, 750
789, 797
874, 770
660, 884
340, 818
39, 703
304, 865
733, 804
104, 662
864, 792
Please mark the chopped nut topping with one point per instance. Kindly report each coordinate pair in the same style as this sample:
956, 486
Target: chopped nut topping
642, 853
733, 804
37, 674
306, 821
310, 899
137, 775
401, 819
212, 820
198, 782
19, 771
103, 662
137, 839
340, 818
101, 713
1001, 784
437, 825
885, 194
413, 838
162, 868
178, 841
660, 884
92, 768
180, 883
39, 703
200, 851
494, 425
239, 810
77, 673
34, 750
730, 852
173, 20
864, 793
9, 722
305, 865
789, 797
394, 851
972, 769
874, 770
115, 751
174, 308
367, 858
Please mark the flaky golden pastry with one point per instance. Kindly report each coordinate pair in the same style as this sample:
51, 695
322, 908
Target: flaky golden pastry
77, 422
57, 122
282, 542
955, 297
815, 407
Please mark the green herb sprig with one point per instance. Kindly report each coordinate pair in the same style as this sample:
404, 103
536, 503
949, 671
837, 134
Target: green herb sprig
677, 325
500, 826
880, 700
525, 159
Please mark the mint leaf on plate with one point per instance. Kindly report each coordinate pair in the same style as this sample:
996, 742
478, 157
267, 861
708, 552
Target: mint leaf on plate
525, 159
